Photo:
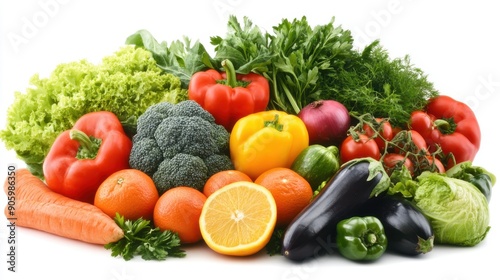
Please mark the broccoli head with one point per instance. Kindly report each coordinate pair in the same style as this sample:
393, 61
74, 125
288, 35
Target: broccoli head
179, 144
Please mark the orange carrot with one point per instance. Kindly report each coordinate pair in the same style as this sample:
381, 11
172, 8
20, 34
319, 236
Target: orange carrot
37, 207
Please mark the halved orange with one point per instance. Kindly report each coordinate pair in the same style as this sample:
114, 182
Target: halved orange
238, 219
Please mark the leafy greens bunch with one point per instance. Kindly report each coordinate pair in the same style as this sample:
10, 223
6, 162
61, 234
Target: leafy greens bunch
312, 63
304, 63
125, 83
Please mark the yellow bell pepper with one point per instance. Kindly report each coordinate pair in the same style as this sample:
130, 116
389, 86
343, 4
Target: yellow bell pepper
268, 139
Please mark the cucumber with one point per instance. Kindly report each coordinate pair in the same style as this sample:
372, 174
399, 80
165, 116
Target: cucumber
317, 164
313, 230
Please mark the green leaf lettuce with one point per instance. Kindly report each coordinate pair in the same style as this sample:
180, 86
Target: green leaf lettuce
125, 83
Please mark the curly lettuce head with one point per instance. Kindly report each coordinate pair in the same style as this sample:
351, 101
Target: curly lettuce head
457, 210
125, 83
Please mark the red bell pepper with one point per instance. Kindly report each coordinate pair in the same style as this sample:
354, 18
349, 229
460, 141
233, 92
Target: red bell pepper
81, 158
229, 96
450, 124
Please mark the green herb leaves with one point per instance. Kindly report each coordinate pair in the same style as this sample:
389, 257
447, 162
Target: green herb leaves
305, 63
180, 58
141, 239
274, 246
246, 47
304, 55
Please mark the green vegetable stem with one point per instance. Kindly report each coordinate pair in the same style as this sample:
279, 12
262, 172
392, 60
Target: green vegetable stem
361, 238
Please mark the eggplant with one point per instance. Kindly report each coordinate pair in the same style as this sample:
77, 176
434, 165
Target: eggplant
407, 230
313, 230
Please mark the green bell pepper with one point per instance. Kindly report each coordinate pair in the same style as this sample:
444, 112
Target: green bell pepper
361, 238
476, 175
317, 164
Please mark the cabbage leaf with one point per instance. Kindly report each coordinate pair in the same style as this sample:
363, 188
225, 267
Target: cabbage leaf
457, 210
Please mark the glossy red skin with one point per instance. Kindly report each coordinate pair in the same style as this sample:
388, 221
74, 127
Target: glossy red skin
438, 164
323, 134
390, 160
463, 142
417, 139
385, 132
422, 122
364, 147
225, 103
79, 178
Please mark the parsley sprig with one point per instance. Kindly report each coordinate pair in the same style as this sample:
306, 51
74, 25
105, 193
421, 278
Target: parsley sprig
304, 63
140, 238
274, 246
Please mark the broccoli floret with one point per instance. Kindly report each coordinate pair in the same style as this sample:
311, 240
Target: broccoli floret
181, 170
179, 144
151, 118
221, 137
190, 108
191, 135
216, 163
145, 155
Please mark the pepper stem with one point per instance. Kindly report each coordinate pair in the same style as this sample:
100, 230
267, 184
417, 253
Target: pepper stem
89, 146
230, 73
274, 123
370, 239
446, 126
442, 124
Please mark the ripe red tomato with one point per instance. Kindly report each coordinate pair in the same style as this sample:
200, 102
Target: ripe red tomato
364, 147
393, 161
422, 122
409, 141
436, 165
384, 132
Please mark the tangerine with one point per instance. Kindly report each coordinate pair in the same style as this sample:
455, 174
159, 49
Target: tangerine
223, 178
179, 210
291, 192
129, 192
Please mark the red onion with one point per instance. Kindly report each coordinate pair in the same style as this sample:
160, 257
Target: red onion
327, 122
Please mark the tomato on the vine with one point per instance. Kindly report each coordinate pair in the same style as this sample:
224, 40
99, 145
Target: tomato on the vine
435, 165
384, 132
409, 141
393, 161
364, 146
422, 122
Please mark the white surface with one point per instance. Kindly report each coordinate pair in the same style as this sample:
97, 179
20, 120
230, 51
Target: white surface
455, 43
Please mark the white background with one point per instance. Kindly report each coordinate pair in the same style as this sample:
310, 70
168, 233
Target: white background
455, 43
